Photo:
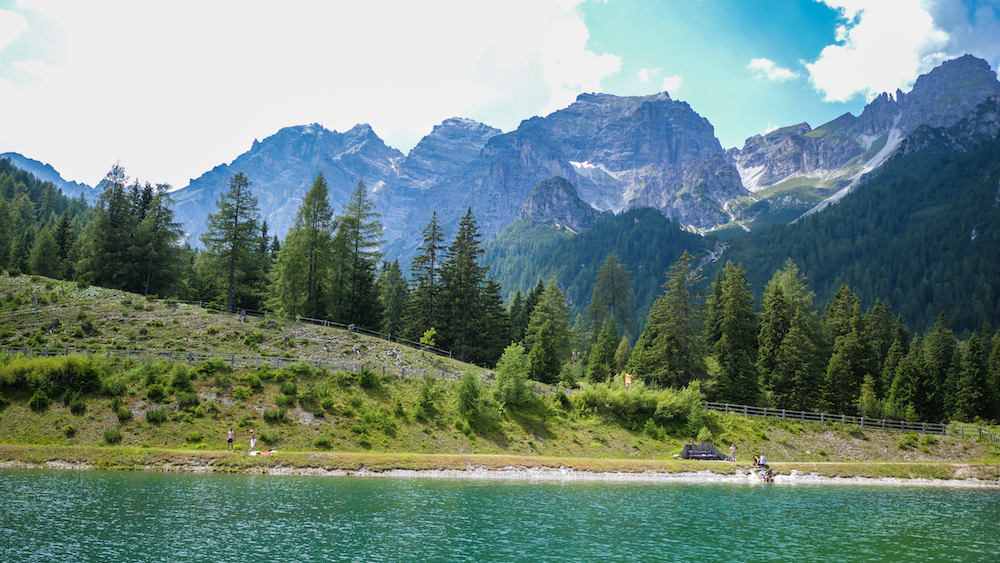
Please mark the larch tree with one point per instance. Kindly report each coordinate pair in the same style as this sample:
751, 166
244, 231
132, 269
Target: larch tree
612, 294
232, 240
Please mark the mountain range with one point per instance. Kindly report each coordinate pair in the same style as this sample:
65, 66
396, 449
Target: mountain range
611, 153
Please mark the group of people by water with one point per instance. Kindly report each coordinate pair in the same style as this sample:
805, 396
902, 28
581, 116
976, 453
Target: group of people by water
760, 462
231, 436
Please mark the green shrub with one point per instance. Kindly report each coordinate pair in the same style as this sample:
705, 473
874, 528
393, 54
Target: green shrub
112, 436
284, 401
69, 430
322, 443
155, 393
156, 416
113, 387
39, 401
467, 397
270, 438
77, 404
194, 438
367, 379
124, 414
276, 416
4, 401
185, 400
253, 382
908, 441
241, 393
209, 367
180, 378
289, 388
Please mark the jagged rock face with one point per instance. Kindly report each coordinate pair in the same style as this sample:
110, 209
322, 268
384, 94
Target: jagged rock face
444, 152
555, 200
839, 151
618, 152
283, 167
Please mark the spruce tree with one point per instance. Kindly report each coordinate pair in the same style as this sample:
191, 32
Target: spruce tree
300, 276
462, 279
601, 359
357, 255
106, 239
670, 351
394, 294
993, 378
795, 381
495, 328
971, 396
425, 304
544, 357
943, 367
44, 258
775, 322
552, 308
156, 242
736, 350
231, 242
906, 391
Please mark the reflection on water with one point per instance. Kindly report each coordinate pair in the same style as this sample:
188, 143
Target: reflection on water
114, 516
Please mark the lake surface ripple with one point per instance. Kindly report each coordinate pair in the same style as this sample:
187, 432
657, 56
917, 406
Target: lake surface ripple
118, 516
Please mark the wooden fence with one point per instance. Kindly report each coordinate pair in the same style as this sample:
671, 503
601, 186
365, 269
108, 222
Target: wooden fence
861, 421
234, 360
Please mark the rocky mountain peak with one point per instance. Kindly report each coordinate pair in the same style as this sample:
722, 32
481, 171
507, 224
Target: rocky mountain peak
555, 200
449, 146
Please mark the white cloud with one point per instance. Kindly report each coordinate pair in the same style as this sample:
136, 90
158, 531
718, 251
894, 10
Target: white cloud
767, 69
643, 75
885, 45
175, 89
12, 24
672, 83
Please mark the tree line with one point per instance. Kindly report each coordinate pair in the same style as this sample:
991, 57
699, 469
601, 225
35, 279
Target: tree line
787, 354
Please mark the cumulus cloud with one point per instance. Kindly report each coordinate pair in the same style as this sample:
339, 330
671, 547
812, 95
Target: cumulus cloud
766, 69
643, 75
12, 24
175, 89
885, 45
672, 83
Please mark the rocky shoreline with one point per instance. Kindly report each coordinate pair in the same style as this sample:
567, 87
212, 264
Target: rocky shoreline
739, 476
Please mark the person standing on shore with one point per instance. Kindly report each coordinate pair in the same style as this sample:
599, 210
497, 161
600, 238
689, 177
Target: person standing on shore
229, 439
253, 440
732, 452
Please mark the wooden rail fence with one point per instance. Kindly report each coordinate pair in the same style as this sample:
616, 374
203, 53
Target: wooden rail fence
861, 421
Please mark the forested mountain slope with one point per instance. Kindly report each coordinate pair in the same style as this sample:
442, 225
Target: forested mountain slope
922, 235
646, 242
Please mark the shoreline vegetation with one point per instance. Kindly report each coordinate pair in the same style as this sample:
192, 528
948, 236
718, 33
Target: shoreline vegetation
499, 467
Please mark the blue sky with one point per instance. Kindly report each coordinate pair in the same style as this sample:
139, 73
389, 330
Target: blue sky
173, 89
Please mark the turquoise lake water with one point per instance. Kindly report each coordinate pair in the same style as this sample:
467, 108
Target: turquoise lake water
120, 516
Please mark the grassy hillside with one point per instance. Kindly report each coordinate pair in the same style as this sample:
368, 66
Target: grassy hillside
114, 405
